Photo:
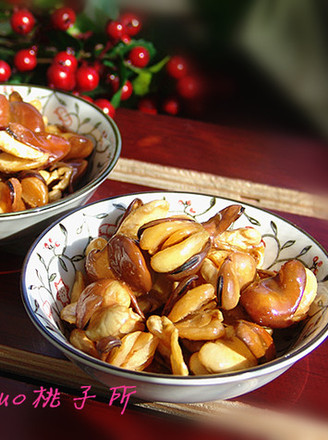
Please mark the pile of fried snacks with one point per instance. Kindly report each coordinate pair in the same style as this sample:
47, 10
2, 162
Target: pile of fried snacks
39, 162
167, 294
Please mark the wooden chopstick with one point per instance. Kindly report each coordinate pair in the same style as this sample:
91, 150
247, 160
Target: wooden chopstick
258, 194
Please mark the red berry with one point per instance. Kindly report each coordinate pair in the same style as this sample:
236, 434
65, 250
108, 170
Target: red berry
5, 71
87, 98
114, 81
99, 67
147, 105
87, 78
177, 67
106, 106
61, 77
25, 59
115, 30
139, 56
66, 59
63, 18
131, 23
22, 21
127, 90
171, 106
126, 39
188, 87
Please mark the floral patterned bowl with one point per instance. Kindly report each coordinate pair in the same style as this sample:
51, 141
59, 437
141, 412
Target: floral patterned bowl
53, 259
17, 230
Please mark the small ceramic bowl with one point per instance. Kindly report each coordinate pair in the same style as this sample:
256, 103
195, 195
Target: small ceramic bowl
19, 229
52, 261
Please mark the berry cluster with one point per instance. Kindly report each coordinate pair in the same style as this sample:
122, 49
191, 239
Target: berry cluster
107, 67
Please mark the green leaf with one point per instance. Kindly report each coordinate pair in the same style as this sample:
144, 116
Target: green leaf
116, 98
158, 66
121, 49
5, 28
100, 11
142, 82
45, 4
109, 63
82, 24
64, 40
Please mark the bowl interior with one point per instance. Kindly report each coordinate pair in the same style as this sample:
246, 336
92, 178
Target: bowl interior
79, 116
50, 266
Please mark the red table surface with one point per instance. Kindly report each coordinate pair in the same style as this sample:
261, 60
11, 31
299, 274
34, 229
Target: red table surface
260, 157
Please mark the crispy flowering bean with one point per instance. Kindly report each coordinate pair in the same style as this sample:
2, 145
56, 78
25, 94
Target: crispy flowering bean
168, 345
210, 267
157, 235
68, 313
224, 355
216, 307
97, 263
196, 367
5, 198
78, 286
12, 141
191, 302
158, 295
28, 143
236, 272
257, 339
128, 263
106, 345
202, 326
221, 221
115, 320
170, 258
96, 244
39, 144
80, 146
162, 328
248, 240
135, 353
178, 365
34, 191
178, 291
274, 301
79, 339
141, 215
4, 111
308, 297
12, 164
25, 114
15, 194
101, 293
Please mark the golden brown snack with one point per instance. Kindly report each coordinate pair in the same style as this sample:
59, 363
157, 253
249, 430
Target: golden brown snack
27, 144
181, 297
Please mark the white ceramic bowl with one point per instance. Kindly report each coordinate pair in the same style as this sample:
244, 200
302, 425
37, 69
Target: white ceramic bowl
50, 265
18, 230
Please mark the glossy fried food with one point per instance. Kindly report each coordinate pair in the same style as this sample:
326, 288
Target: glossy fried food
39, 163
169, 294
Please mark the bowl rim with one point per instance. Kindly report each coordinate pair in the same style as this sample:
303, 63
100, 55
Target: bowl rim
280, 363
87, 187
